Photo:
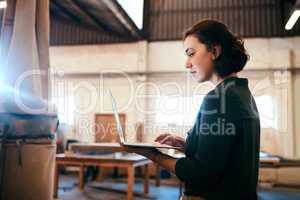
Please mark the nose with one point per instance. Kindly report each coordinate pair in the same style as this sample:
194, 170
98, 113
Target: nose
188, 64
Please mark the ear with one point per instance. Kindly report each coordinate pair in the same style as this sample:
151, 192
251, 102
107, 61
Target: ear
216, 51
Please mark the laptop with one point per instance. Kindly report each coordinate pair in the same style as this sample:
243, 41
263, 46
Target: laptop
121, 133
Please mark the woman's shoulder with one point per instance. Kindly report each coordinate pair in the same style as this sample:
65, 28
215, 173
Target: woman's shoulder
230, 88
232, 97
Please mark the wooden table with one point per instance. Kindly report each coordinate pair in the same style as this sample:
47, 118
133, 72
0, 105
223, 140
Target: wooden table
129, 161
106, 147
269, 162
96, 147
275, 162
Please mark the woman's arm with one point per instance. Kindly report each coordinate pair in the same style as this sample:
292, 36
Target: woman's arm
156, 156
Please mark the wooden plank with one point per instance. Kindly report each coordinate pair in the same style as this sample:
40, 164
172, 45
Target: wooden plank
105, 127
96, 147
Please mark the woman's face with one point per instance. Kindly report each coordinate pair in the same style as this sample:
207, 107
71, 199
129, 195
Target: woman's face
199, 60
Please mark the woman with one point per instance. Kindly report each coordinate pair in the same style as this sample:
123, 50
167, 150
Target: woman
222, 148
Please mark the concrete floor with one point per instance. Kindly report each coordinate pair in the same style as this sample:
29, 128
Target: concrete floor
94, 191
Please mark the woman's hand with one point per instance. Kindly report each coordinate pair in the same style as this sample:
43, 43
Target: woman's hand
171, 140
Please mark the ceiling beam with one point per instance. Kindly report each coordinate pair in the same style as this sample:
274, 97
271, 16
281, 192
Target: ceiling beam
87, 14
77, 13
146, 19
65, 11
56, 10
77, 9
123, 18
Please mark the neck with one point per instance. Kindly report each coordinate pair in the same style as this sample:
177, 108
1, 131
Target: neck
215, 79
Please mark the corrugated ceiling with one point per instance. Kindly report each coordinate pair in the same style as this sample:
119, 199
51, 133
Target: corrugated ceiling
104, 21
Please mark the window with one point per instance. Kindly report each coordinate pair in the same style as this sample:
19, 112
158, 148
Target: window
182, 111
65, 108
266, 111
178, 111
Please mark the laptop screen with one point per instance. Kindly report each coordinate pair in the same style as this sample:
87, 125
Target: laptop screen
117, 118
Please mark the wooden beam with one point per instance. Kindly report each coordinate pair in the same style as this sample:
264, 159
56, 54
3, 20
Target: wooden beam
57, 11
91, 17
146, 19
67, 12
123, 18
78, 10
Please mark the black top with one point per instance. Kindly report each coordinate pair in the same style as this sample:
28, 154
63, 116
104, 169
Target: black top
222, 148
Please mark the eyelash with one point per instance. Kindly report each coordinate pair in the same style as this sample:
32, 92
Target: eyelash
190, 55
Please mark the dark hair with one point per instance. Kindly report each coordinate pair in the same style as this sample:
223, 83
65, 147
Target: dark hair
212, 33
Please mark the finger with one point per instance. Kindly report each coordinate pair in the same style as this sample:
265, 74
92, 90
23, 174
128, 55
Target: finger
168, 142
167, 139
161, 137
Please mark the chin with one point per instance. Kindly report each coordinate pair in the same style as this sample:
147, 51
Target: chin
202, 79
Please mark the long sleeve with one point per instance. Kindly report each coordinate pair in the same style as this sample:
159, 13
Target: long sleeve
210, 142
